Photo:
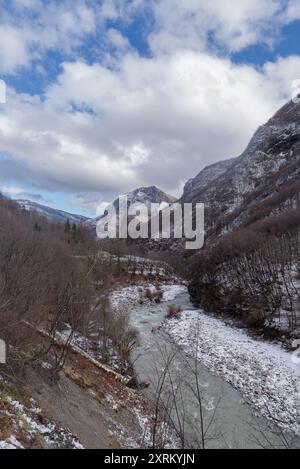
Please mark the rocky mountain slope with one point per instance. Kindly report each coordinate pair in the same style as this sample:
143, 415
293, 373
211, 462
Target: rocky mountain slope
264, 180
53, 215
249, 268
142, 195
207, 176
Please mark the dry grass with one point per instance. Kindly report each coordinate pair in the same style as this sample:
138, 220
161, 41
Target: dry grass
12, 423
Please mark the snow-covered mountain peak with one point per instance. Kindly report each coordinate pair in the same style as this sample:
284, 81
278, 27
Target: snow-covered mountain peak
54, 215
142, 195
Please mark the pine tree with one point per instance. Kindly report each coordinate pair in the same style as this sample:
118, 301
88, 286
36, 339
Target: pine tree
74, 233
67, 226
37, 227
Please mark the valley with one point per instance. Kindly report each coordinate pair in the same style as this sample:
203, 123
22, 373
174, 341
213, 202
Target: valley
143, 344
149, 227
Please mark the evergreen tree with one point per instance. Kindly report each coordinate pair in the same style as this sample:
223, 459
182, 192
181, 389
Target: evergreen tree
67, 226
74, 233
37, 227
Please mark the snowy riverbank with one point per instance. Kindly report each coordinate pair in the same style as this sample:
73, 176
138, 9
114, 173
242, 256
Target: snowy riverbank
126, 298
262, 372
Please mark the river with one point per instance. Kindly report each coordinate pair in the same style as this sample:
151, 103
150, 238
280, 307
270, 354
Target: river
228, 421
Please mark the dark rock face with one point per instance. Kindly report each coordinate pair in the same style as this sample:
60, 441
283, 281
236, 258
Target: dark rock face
263, 181
205, 178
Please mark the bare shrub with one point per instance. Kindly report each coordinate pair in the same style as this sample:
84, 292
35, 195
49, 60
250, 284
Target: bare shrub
141, 296
158, 295
125, 338
174, 312
154, 294
149, 294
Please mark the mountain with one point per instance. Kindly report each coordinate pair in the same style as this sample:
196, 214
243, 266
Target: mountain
142, 195
249, 267
57, 216
261, 182
206, 177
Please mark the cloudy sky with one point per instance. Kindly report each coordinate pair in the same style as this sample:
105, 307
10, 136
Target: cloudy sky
104, 96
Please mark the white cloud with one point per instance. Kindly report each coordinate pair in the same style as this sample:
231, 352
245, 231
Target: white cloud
232, 26
35, 26
122, 9
32, 27
117, 40
293, 10
12, 191
106, 128
149, 121
18, 193
13, 51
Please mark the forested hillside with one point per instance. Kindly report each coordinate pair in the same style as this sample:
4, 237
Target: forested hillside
253, 274
68, 341
41, 283
52, 280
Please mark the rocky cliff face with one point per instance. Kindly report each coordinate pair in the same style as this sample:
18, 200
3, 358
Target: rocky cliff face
264, 180
205, 178
249, 267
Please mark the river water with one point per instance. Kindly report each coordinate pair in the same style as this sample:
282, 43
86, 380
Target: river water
228, 421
